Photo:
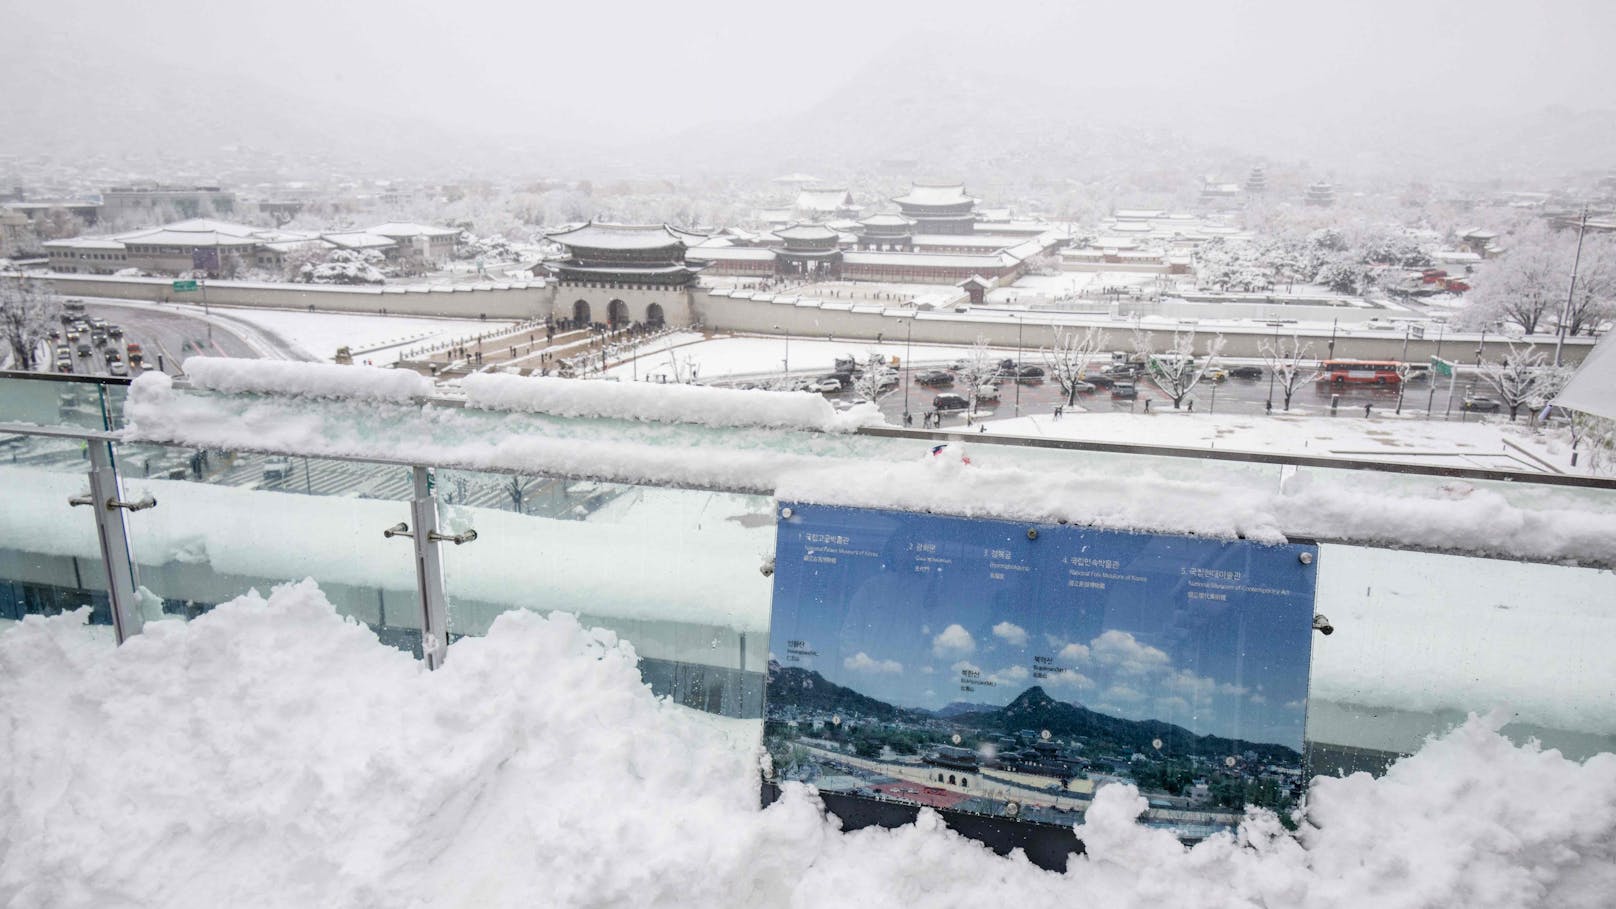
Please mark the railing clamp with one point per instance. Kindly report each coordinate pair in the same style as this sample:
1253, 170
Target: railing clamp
457, 539
114, 503
400, 529
1322, 624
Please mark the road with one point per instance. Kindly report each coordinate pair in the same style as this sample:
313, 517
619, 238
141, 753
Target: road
1241, 396
169, 334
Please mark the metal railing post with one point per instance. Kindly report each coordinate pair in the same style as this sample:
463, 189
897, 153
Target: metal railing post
429, 570
114, 539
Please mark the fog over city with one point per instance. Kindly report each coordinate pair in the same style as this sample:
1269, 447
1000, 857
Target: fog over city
1476, 90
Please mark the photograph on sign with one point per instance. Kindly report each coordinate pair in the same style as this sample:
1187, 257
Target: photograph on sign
1009, 669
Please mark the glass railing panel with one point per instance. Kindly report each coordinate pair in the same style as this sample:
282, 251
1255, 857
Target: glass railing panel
50, 553
1420, 640
227, 522
677, 573
48, 401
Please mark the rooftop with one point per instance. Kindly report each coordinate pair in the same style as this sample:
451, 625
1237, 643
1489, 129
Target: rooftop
936, 194
807, 232
622, 236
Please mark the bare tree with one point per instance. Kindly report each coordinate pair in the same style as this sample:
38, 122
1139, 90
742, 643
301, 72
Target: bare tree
1068, 360
1522, 379
1594, 434
683, 365
1177, 371
872, 384
28, 310
1290, 363
516, 487
979, 367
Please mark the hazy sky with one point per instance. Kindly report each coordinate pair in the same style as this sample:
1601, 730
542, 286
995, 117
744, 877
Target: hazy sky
638, 69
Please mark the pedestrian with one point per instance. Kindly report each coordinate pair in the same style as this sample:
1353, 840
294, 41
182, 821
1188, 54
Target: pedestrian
1268, 406
982, 428
1192, 406
1366, 408
908, 418
1147, 405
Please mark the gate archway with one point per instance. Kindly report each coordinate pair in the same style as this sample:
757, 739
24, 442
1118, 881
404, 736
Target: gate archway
580, 312
617, 313
653, 315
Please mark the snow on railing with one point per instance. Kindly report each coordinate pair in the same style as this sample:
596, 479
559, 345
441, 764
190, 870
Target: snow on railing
286, 377
658, 403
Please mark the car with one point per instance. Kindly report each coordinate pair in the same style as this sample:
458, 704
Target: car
54, 334
1215, 374
1125, 390
84, 348
1245, 372
118, 368
277, 469
988, 393
112, 355
1481, 405
1084, 388
115, 331
1030, 372
1121, 370
64, 365
827, 385
950, 401
98, 338
1099, 379
935, 377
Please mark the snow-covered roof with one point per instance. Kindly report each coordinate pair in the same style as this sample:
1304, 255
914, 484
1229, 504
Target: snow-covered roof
359, 239
935, 194
192, 226
972, 241
807, 232
84, 243
168, 236
730, 254
411, 229
928, 260
887, 219
825, 200
622, 236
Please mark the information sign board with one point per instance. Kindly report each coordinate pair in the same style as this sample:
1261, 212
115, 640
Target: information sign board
183, 286
1009, 669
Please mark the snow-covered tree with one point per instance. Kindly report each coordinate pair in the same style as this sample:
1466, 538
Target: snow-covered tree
1291, 363
1177, 371
1594, 435
873, 382
1521, 379
1068, 359
344, 266
979, 367
682, 366
307, 255
28, 311
1529, 283
1593, 299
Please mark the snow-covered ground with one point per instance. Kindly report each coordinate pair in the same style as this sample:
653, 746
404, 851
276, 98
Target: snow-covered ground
270, 753
760, 356
372, 338
1489, 444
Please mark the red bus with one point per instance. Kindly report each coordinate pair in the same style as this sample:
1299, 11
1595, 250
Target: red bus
1358, 372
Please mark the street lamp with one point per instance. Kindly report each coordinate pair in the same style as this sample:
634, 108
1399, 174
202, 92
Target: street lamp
785, 364
908, 362
1017, 370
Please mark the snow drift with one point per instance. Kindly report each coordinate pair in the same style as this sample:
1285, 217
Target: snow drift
269, 753
644, 401
285, 377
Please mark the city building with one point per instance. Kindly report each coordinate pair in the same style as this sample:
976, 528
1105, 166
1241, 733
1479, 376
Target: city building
17, 235
810, 251
825, 205
1320, 194
432, 244
886, 232
618, 274
939, 208
137, 204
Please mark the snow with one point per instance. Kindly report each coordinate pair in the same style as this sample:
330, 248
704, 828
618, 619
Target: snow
1220, 499
368, 337
270, 754
663, 403
235, 376
761, 356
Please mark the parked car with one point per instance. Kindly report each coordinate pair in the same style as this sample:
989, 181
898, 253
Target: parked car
1481, 405
1030, 372
1099, 379
1245, 372
828, 385
1215, 374
277, 469
950, 401
1121, 370
935, 377
1084, 388
988, 393
1125, 390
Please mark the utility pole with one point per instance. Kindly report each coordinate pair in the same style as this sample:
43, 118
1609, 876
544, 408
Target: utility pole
908, 359
1565, 314
1017, 370
1430, 399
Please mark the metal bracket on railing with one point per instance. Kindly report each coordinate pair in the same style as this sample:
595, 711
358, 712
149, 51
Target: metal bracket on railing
458, 538
1322, 624
400, 529
139, 505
